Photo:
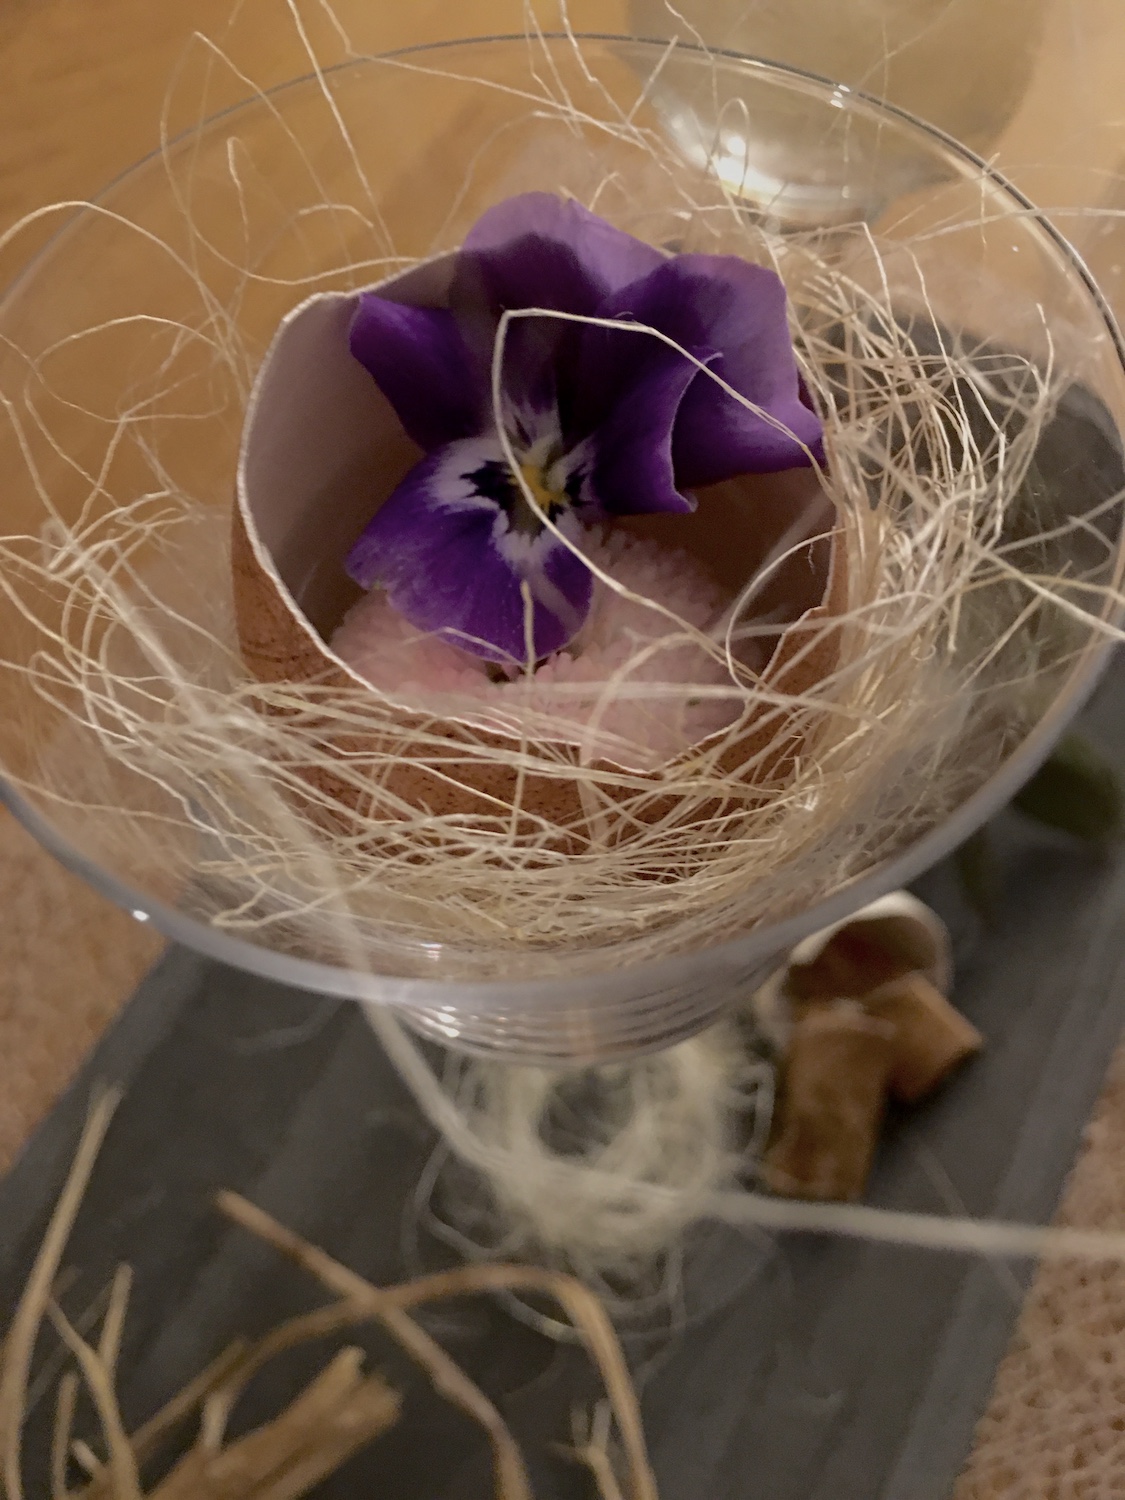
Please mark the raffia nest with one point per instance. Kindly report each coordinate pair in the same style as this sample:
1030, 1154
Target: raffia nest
323, 448
194, 729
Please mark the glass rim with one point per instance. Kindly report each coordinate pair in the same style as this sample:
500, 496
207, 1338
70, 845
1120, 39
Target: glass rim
745, 949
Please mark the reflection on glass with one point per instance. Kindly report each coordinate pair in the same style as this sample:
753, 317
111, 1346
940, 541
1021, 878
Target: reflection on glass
962, 65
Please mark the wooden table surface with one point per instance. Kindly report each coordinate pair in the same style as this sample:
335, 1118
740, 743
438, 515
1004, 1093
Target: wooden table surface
85, 84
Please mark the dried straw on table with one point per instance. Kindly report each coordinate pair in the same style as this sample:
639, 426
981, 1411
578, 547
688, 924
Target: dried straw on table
340, 1411
344, 1408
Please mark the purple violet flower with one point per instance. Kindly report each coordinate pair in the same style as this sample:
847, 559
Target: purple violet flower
602, 421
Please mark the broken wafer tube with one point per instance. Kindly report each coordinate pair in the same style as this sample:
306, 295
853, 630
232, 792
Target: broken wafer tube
860, 1014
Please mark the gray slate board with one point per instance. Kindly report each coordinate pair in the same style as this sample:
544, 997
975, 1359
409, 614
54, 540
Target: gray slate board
809, 1369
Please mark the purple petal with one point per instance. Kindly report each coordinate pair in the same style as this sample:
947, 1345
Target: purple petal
741, 314
450, 563
609, 257
421, 364
633, 471
732, 316
608, 362
539, 250
716, 439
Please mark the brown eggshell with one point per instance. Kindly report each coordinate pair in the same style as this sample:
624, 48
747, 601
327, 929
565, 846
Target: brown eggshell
322, 448
894, 936
832, 1103
932, 1037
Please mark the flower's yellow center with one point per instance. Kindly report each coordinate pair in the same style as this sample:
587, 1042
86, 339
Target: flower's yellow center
550, 501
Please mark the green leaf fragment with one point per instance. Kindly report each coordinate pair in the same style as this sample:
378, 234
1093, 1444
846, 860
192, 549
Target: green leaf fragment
978, 871
1077, 791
